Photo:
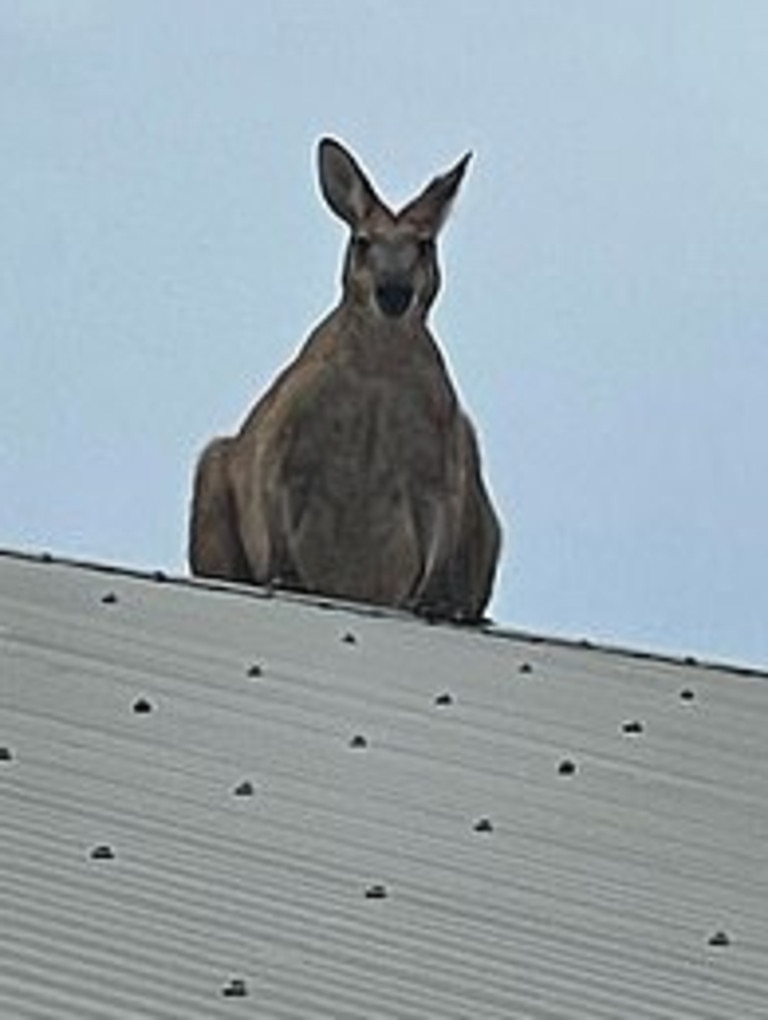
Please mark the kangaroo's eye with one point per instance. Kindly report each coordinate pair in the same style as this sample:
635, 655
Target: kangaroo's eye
426, 246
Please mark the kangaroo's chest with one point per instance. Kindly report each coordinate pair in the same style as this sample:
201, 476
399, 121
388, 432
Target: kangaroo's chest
359, 434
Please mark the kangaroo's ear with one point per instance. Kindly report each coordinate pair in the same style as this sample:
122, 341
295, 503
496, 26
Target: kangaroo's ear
345, 187
430, 209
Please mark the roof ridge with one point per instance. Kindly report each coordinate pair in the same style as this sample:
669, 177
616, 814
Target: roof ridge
487, 628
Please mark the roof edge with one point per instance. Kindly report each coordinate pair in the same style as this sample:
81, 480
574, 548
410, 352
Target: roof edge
488, 628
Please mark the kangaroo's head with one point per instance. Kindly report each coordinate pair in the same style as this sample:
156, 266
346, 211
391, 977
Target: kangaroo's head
391, 267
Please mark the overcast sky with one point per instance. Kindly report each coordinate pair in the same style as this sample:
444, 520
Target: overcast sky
163, 252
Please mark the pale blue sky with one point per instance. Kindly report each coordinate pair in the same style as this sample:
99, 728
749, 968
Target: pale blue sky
163, 251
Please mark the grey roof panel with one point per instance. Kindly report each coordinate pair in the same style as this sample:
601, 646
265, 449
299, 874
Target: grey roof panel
435, 822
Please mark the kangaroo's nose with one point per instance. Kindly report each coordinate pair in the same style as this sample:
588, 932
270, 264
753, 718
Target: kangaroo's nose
393, 298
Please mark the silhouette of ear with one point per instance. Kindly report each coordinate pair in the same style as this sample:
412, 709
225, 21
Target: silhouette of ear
430, 209
345, 187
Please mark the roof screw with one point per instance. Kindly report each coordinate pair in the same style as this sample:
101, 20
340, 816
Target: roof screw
103, 852
109, 599
142, 706
483, 825
687, 694
525, 667
349, 638
446, 698
358, 742
6, 754
245, 789
567, 767
376, 892
255, 670
720, 938
633, 728
235, 988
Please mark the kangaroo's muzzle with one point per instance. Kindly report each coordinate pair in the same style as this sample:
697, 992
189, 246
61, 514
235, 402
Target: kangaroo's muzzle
394, 298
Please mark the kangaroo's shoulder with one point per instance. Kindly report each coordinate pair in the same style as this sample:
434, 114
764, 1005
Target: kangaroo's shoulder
301, 372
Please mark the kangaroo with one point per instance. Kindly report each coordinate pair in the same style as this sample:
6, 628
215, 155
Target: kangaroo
357, 474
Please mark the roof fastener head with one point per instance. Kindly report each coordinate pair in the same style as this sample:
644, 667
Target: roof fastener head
142, 706
446, 698
720, 938
376, 892
349, 638
245, 789
483, 825
566, 767
109, 599
633, 727
358, 742
103, 852
235, 988
255, 670
6, 754
525, 667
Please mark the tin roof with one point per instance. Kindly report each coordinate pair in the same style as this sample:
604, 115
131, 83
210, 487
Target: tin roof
220, 803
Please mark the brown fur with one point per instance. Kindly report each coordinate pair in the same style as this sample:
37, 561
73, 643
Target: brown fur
357, 474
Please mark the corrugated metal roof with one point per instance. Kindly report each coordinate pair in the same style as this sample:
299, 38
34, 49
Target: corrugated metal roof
217, 803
